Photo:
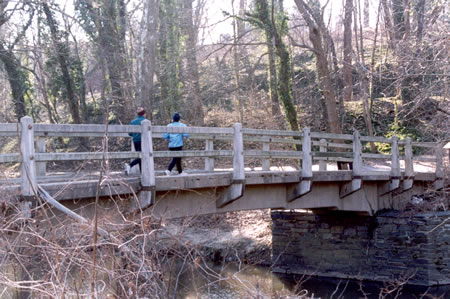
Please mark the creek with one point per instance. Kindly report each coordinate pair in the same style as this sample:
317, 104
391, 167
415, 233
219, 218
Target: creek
231, 281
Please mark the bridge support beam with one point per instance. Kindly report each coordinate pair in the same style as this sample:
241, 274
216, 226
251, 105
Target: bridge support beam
356, 183
236, 190
304, 186
146, 196
394, 183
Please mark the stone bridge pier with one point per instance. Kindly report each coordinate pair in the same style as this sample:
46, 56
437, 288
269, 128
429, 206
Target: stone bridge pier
349, 245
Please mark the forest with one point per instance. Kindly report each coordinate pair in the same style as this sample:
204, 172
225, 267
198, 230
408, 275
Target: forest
378, 66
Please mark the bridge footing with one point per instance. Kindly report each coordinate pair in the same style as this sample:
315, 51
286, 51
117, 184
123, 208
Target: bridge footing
352, 246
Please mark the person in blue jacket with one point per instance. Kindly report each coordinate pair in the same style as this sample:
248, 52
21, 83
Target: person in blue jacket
175, 143
136, 139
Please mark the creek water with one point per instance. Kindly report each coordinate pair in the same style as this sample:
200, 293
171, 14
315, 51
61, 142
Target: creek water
232, 281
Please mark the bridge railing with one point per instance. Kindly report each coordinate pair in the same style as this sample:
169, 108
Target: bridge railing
273, 144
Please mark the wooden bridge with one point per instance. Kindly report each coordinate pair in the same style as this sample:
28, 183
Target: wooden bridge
365, 188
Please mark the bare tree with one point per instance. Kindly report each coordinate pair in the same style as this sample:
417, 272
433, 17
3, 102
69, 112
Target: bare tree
191, 23
62, 54
146, 56
347, 93
313, 16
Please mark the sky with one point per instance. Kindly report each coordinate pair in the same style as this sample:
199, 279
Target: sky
217, 24
215, 15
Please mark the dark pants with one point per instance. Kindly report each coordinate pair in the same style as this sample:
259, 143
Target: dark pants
176, 160
137, 147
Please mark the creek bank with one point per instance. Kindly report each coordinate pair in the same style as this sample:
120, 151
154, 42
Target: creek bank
244, 236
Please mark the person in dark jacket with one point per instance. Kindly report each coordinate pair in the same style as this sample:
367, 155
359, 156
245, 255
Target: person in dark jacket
136, 140
175, 143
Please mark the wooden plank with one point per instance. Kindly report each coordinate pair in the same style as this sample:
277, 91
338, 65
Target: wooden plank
82, 134
247, 131
236, 190
265, 162
69, 190
375, 139
84, 156
323, 149
320, 135
209, 161
273, 154
376, 156
86, 128
10, 128
10, 158
331, 144
333, 159
419, 144
424, 158
193, 153
41, 167
356, 183
269, 139
333, 154
193, 130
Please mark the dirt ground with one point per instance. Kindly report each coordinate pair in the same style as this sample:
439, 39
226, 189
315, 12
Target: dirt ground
238, 236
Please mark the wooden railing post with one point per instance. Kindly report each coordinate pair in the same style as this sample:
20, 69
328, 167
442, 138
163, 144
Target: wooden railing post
28, 166
409, 165
266, 162
209, 161
304, 186
439, 152
356, 183
147, 193
236, 190
41, 167
323, 149
394, 182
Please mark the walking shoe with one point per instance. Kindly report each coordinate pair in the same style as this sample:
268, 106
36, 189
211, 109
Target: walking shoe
167, 172
183, 173
127, 169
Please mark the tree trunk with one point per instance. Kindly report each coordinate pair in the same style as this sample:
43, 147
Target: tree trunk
347, 63
169, 66
236, 67
193, 77
420, 14
62, 54
366, 13
17, 80
388, 24
316, 37
364, 80
145, 63
110, 42
273, 80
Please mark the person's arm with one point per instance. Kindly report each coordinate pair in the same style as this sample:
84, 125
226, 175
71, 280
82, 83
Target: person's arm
166, 135
185, 135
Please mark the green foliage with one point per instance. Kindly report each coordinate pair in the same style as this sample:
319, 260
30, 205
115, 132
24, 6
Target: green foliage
85, 18
57, 88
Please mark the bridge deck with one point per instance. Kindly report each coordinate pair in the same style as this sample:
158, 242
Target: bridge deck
231, 188
67, 186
